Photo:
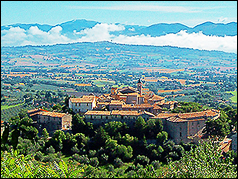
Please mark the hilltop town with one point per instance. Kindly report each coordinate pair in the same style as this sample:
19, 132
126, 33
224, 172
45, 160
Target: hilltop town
126, 105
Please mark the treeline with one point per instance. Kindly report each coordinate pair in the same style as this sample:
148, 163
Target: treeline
114, 149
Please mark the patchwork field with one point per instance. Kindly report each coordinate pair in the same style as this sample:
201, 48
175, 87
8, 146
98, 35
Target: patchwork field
234, 98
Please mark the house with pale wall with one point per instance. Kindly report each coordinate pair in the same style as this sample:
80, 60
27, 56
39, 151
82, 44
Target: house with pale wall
50, 120
83, 104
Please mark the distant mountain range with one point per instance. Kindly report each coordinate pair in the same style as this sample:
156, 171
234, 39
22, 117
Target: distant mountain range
207, 28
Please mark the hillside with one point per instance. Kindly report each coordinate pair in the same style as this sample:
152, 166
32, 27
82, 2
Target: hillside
114, 56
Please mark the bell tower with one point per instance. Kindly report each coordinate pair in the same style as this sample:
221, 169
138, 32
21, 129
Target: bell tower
139, 86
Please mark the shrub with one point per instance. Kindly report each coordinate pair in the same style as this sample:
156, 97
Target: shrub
14, 165
50, 150
117, 162
39, 156
94, 161
83, 159
204, 161
103, 158
142, 160
156, 164
92, 153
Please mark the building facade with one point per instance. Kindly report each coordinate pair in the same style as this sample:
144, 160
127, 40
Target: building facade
185, 126
50, 120
83, 104
102, 117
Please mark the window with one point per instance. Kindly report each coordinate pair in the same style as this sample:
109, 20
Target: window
180, 134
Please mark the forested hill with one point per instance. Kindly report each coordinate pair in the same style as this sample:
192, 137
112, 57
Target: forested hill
120, 55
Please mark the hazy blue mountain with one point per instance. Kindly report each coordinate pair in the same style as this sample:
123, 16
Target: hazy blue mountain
43, 27
77, 25
207, 28
219, 29
163, 29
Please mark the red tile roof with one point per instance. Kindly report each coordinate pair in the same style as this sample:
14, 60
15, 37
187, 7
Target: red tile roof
185, 116
106, 113
51, 114
85, 99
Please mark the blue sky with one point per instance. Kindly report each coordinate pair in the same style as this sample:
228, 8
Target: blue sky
145, 13
108, 13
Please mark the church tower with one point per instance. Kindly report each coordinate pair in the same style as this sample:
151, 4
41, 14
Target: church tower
139, 86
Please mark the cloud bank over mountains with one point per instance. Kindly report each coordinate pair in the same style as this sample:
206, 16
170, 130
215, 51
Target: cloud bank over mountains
16, 36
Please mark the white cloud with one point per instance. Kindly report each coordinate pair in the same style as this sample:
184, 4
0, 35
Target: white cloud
13, 36
16, 36
101, 32
184, 39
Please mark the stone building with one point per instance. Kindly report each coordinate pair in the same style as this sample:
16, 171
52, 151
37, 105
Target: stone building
50, 120
184, 126
234, 142
102, 117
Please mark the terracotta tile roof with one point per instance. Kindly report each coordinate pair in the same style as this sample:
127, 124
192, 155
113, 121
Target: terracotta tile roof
125, 113
137, 106
103, 103
156, 107
156, 97
177, 119
35, 110
106, 113
185, 116
116, 102
126, 88
207, 113
85, 99
118, 112
170, 102
165, 115
51, 114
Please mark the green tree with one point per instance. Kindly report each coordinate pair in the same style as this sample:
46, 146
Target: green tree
203, 161
153, 127
100, 137
219, 127
57, 107
57, 140
114, 127
139, 127
45, 135
162, 137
